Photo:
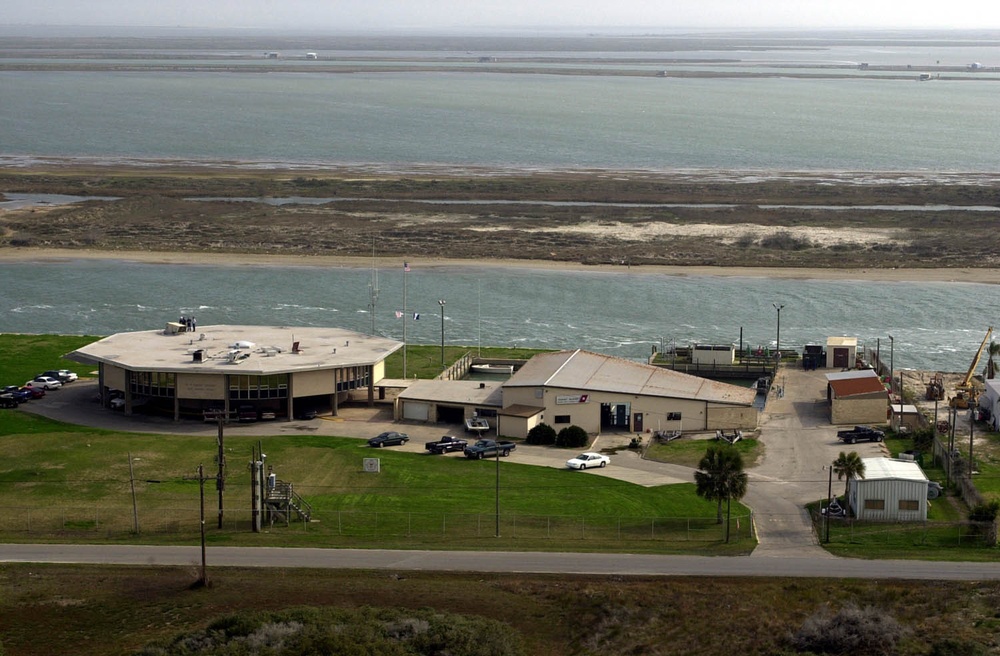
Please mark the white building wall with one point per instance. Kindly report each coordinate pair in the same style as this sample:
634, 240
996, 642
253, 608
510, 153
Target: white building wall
890, 492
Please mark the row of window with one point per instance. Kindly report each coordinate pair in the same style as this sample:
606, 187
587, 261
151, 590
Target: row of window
904, 504
155, 383
274, 386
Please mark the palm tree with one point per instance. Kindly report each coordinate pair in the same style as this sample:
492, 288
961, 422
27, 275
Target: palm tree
849, 465
991, 365
721, 477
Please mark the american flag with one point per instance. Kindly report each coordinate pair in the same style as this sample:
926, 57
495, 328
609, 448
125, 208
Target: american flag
399, 315
406, 267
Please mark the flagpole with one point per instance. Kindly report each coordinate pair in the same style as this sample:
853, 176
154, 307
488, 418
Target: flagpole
406, 269
373, 288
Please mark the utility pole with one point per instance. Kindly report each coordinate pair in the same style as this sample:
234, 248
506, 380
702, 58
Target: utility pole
203, 580
777, 340
829, 498
135, 509
220, 481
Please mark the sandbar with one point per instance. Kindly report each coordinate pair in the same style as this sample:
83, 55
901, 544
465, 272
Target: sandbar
951, 275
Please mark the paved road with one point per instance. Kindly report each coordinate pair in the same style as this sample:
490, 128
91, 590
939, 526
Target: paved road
798, 443
486, 561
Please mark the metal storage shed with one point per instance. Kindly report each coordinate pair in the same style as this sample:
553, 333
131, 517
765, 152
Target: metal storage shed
892, 490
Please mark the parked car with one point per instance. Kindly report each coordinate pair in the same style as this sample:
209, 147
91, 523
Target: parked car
589, 459
860, 434
62, 375
446, 444
35, 392
45, 382
389, 438
247, 413
488, 449
7, 401
19, 394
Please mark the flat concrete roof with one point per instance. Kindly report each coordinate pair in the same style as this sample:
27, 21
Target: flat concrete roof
841, 341
246, 350
461, 392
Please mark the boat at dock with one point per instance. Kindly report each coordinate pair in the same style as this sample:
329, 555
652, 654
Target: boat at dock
492, 368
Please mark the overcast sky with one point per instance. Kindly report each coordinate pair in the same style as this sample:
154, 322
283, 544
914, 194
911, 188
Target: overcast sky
483, 15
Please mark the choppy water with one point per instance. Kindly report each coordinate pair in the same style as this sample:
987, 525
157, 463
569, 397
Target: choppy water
934, 325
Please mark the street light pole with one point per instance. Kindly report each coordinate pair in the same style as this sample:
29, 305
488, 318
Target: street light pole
441, 303
892, 380
777, 347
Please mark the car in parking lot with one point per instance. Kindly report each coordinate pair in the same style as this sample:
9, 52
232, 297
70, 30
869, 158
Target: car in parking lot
389, 438
62, 375
35, 392
45, 382
19, 394
7, 401
587, 460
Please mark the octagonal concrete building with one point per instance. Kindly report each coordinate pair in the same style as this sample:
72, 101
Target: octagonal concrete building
272, 372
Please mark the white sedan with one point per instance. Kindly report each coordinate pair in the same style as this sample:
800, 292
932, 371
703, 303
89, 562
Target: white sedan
585, 460
44, 382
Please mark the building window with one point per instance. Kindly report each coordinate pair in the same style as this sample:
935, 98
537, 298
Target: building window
673, 416
258, 387
563, 419
874, 504
152, 383
486, 412
909, 504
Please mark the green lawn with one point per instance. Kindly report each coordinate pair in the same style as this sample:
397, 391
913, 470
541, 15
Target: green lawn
25, 356
689, 452
64, 482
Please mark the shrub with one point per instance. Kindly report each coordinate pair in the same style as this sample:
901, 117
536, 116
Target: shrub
541, 434
853, 630
572, 437
785, 241
985, 512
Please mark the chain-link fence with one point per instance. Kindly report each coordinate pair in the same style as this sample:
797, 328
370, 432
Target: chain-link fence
103, 522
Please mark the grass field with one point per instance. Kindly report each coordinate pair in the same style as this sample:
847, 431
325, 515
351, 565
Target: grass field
96, 611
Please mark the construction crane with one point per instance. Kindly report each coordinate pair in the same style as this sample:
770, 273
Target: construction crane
964, 390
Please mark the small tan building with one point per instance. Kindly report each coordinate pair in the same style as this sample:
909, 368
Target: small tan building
600, 392
841, 352
713, 354
857, 397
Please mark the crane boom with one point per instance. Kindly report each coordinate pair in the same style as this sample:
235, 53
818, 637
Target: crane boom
975, 360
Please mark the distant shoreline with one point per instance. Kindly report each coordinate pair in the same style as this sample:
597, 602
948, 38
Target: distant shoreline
965, 275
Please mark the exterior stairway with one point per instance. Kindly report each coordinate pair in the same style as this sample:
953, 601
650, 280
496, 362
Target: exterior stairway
281, 501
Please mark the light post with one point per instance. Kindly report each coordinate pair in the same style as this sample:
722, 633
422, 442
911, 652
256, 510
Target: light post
777, 347
441, 303
892, 380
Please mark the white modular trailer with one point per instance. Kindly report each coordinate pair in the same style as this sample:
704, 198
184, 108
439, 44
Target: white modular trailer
892, 490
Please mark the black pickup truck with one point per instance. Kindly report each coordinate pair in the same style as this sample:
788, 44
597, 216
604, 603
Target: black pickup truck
446, 444
488, 449
860, 434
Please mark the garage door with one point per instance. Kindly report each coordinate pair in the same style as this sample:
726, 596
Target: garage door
418, 411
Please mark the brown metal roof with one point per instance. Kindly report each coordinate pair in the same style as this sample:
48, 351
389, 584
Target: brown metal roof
857, 386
